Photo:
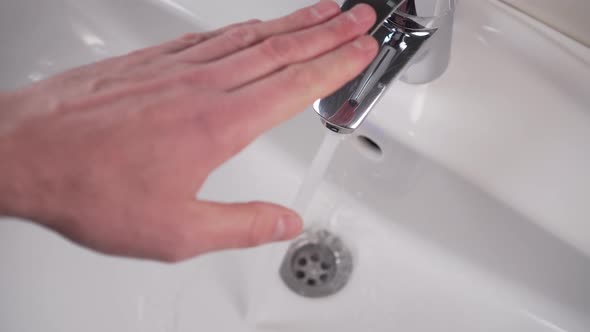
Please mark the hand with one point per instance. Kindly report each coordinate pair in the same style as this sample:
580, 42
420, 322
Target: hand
111, 154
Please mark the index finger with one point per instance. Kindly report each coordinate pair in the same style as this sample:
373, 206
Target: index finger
238, 38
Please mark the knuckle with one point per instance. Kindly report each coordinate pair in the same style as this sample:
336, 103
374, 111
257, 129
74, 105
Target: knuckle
213, 129
260, 231
195, 76
98, 84
138, 53
167, 253
301, 75
278, 49
136, 58
190, 37
303, 16
177, 249
182, 43
141, 56
237, 25
241, 35
172, 256
341, 24
297, 18
223, 132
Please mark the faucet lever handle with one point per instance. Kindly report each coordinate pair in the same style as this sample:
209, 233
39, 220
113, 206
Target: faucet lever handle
372, 75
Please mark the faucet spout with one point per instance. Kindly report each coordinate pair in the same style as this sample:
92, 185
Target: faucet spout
402, 38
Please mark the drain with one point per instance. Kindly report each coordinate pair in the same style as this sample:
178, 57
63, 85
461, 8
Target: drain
317, 264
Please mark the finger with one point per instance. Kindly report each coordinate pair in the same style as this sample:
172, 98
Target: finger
193, 39
216, 226
143, 65
188, 40
238, 38
283, 94
221, 30
279, 51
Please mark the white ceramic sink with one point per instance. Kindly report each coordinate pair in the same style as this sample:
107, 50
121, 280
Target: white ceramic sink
474, 218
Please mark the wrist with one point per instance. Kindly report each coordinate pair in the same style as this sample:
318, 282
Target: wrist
16, 195
13, 190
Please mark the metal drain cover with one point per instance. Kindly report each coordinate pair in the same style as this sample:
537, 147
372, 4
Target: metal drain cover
317, 264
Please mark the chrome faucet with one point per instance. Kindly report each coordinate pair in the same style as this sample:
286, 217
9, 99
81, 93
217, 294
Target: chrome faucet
415, 45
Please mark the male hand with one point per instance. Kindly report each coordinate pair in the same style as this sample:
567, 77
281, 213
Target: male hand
111, 154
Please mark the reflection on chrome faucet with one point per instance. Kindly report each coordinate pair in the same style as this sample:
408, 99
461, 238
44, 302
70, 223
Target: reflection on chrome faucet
414, 38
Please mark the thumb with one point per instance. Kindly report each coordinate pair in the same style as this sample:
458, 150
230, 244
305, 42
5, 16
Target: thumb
241, 225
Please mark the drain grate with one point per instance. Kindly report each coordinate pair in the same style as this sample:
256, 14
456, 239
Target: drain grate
314, 265
317, 264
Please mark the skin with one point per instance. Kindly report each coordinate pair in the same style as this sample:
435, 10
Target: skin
111, 154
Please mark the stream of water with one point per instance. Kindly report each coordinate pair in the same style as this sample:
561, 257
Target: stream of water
315, 173
260, 296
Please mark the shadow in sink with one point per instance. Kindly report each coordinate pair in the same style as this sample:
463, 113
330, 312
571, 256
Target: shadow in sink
425, 240
462, 220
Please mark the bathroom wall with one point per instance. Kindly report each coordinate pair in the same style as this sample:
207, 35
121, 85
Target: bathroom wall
568, 16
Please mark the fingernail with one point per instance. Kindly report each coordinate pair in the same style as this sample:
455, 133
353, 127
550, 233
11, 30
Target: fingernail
361, 14
325, 9
287, 227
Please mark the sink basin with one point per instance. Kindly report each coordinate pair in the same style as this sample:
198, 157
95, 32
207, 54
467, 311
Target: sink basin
464, 204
